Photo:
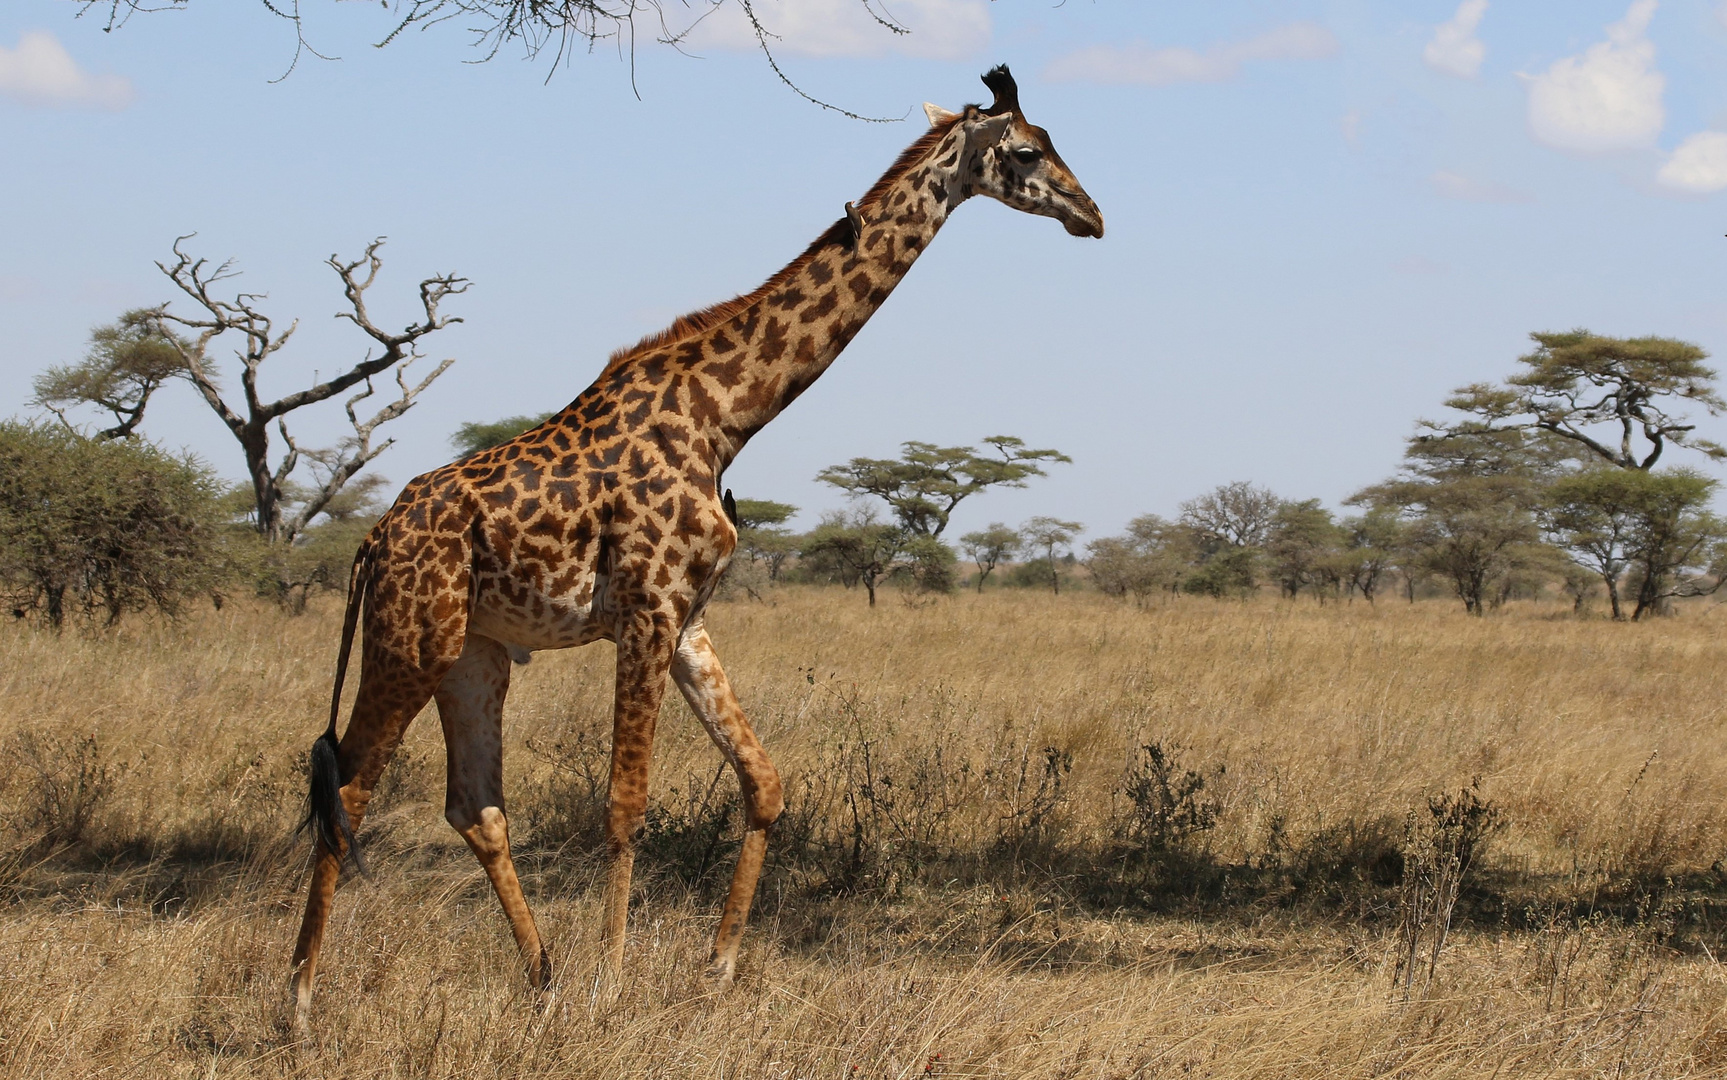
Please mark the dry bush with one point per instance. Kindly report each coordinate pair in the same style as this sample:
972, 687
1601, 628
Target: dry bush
984, 869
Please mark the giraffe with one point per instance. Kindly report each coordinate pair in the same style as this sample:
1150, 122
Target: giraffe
609, 521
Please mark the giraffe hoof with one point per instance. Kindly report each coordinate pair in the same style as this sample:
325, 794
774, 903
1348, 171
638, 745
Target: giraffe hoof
720, 973
299, 1013
608, 986
540, 975
300, 1033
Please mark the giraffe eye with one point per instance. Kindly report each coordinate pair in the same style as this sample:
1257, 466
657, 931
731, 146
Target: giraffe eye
1025, 155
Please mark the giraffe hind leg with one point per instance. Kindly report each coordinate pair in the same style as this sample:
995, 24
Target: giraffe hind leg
471, 708
697, 671
391, 693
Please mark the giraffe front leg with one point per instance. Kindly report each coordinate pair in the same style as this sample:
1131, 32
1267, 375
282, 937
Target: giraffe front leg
645, 647
697, 671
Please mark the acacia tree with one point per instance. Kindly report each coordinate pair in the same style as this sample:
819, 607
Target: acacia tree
477, 435
861, 548
762, 533
103, 525
1153, 555
1468, 498
1050, 536
1672, 533
1304, 548
250, 421
1372, 542
1613, 403
988, 547
924, 484
1593, 515
128, 361
1611, 399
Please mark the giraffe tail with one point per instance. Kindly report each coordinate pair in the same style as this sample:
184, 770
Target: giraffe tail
325, 814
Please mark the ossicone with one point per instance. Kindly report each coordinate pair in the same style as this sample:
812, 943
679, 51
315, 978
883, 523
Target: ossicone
1001, 84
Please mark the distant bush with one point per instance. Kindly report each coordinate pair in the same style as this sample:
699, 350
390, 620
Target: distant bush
102, 527
477, 435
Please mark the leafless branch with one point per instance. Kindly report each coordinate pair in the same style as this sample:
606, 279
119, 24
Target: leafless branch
563, 26
359, 452
197, 279
290, 460
762, 35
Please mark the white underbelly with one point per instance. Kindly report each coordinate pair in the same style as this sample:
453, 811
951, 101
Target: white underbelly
540, 621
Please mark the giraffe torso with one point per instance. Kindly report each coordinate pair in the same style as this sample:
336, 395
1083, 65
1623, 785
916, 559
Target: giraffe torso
600, 511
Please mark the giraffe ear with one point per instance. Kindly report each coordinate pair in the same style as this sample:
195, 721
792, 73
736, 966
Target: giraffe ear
937, 115
987, 130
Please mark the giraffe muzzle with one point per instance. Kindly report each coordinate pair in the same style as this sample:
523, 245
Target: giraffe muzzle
1085, 219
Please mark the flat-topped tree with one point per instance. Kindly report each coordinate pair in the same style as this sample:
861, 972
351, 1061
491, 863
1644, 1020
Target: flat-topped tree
1466, 499
1612, 400
1052, 537
476, 435
924, 485
762, 533
989, 547
129, 360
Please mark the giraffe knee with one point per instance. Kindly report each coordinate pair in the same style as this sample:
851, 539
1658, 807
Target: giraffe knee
764, 799
485, 829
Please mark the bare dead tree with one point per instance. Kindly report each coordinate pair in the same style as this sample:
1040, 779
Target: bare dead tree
564, 26
250, 423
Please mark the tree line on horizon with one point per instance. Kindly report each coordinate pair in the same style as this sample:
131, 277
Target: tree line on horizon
1559, 478
1521, 491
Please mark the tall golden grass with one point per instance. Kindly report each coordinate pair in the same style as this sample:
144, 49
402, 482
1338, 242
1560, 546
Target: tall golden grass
966, 884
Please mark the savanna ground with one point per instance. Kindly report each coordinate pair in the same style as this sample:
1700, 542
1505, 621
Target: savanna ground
1027, 837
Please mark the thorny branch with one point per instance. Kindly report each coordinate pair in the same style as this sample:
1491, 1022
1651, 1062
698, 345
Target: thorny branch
536, 25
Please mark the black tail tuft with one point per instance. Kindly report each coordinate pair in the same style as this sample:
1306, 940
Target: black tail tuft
325, 814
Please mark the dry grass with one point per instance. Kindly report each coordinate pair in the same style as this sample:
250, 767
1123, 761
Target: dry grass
965, 871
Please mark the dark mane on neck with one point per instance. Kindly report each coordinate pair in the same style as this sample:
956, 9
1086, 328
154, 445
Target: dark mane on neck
839, 234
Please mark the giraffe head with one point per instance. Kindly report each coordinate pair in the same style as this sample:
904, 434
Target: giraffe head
1013, 161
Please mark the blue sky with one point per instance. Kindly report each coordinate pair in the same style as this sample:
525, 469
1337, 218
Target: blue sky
1322, 216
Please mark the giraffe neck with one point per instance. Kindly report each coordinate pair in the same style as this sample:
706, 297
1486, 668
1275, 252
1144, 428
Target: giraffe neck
754, 356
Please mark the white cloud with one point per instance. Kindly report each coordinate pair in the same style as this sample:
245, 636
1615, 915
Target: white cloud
1144, 65
41, 72
1609, 98
1452, 185
1455, 50
938, 29
1699, 165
